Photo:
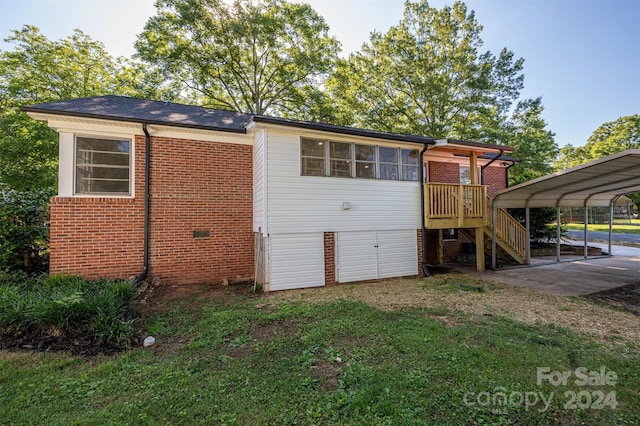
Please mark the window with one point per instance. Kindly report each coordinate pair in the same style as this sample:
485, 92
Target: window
389, 163
410, 164
340, 159
102, 166
312, 154
344, 159
465, 175
366, 161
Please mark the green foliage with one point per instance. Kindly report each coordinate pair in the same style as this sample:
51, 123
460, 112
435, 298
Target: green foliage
24, 230
542, 223
68, 307
267, 56
39, 70
534, 145
427, 76
610, 138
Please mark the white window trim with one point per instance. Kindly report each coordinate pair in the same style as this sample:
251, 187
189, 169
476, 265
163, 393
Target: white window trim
327, 160
67, 164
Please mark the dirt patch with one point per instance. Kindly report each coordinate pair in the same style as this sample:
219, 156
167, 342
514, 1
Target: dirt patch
626, 297
447, 321
328, 374
36, 341
517, 303
270, 331
156, 296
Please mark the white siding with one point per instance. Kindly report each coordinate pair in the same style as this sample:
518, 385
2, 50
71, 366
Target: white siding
296, 261
258, 182
313, 204
376, 254
356, 256
397, 253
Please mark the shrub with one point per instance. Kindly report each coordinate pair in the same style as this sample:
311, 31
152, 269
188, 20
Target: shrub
67, 307
24, 230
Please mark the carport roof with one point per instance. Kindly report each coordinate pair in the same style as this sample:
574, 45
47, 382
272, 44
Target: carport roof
593, 184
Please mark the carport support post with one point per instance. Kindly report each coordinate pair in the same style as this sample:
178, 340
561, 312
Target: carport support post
611, 224
480, 249
493, 239
528, 243
558, 234
586, 222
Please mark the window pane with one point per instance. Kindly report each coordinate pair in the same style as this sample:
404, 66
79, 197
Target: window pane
365, 161
102, 166
465, 175
409, 156
313, 167
410, 164
365, 170
410, 173
340, 154
312, 148
340, 168
365, 153
388, 155
340, 150
388, 171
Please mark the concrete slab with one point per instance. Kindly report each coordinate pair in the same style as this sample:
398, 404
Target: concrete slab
571, 278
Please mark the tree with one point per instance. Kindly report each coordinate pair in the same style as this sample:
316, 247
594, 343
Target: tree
534, 145
426, 76
609, 138
40, 70
263, 57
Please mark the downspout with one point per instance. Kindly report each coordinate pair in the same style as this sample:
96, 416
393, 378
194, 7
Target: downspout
513, 163
425, 269
488, 164
147, 227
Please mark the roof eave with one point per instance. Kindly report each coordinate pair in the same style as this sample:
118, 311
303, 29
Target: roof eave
28, 109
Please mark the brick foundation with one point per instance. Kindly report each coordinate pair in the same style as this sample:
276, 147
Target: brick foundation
329, 259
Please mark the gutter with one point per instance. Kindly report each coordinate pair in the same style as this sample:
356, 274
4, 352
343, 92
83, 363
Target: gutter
487, 165
147, 177
513, 163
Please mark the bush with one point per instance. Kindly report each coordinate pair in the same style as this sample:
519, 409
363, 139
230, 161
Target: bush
542, 224
24, 230
67, 307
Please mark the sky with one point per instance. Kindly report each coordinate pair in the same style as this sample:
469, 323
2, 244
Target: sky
581, 56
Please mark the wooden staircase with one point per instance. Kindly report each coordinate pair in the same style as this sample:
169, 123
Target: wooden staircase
511, 237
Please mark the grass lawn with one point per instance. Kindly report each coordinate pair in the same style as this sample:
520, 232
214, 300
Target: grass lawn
445, 350
633, 228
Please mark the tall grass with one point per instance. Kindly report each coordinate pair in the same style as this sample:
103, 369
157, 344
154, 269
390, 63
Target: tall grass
67, 306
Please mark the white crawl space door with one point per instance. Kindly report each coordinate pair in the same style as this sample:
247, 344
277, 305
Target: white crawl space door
296, 261
368, 255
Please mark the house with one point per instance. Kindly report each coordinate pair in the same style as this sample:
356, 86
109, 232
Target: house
196, 195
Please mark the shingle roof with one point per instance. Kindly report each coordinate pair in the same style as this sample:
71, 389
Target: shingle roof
153, 112
123, 108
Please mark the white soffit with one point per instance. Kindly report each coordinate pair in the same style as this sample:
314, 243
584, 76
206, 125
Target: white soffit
593, 184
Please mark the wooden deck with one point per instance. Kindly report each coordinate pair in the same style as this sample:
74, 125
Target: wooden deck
455, 206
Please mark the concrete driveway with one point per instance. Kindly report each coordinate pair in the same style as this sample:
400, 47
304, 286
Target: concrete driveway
573, 278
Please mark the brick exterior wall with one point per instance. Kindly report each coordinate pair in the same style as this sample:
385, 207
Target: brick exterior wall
195, 185
97, 237
420, 274
441, 172
495, 178
329, 259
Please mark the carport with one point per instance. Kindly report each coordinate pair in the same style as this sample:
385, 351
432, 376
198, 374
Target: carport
595, 184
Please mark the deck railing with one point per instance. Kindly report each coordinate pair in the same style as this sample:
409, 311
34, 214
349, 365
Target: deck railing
511, 232
455, 206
